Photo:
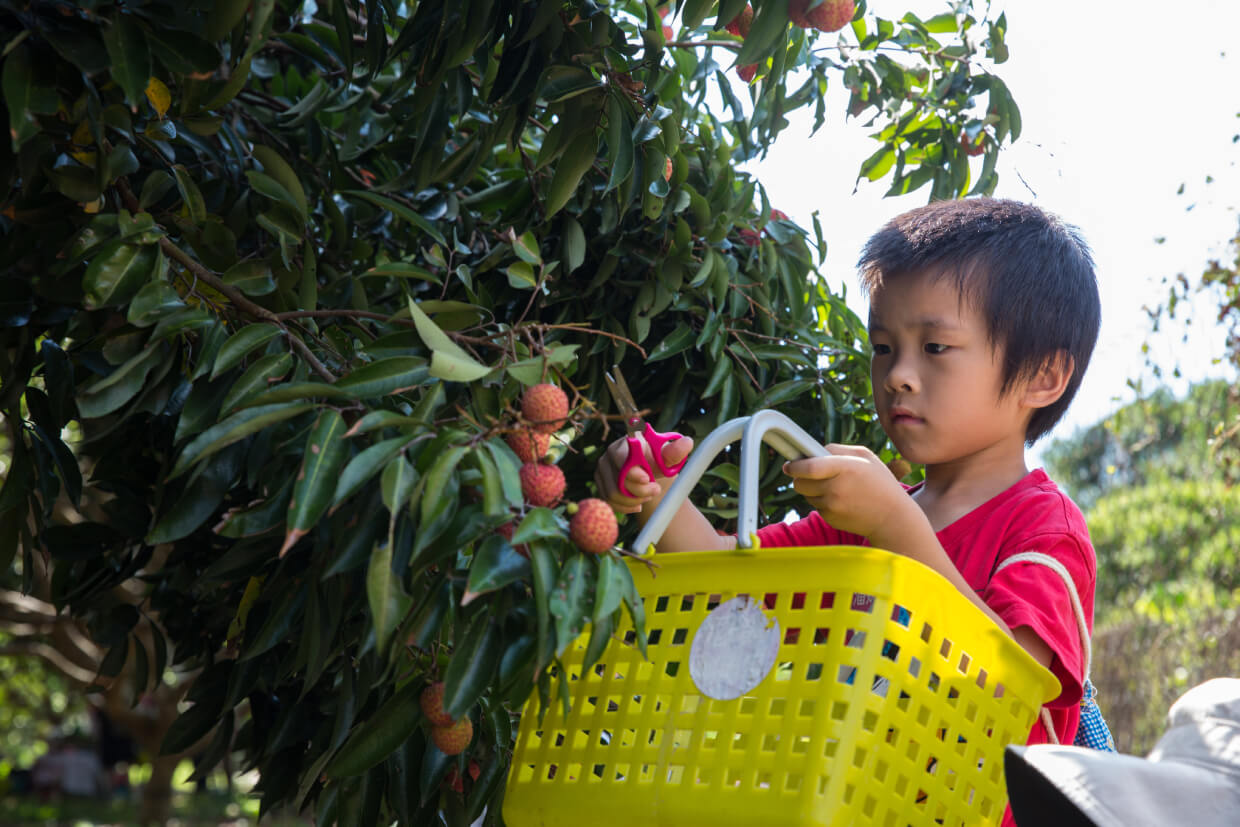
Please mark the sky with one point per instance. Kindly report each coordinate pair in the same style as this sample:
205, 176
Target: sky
1119, 110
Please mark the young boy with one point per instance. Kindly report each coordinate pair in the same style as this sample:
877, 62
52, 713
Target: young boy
983, 316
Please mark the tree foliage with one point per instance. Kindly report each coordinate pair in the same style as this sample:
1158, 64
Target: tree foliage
275, 273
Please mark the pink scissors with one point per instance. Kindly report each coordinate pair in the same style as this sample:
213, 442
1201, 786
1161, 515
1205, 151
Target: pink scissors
639, 429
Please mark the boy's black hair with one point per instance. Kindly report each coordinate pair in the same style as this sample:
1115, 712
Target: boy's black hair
1030, 274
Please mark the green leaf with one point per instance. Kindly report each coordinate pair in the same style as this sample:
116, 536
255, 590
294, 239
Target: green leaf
285, 176
269, 187
678, 340
496, 564
129, 56
242, 343
399, 476
474, 662
619, 142
325, 453
538, 522
521, 275
572, 167
384, 376
613, 578
564, 82
380, 735
19, 91
257, 377
546, 571
190, 194
400, 210
366, 464
509, 467
400, 270
456, 368
114, 390
234, 428
448, 361
386, 597
767, 32
436, 482
251, 277
571, 600
154, 299
117, 272
526, 248
574, 244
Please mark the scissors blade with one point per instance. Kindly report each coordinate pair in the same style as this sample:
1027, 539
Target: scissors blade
624, 401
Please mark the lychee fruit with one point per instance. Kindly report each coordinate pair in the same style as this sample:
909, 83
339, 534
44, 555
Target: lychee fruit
899, 467
542, 485
974, 148
668, 34
529, 445
741, 23
593, 528
828, 16
431, 701
506, 531
667, 170
747, 72
453, 780
545, 407
453, 739
779, 215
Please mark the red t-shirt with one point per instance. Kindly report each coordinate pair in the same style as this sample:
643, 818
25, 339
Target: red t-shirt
1032, 515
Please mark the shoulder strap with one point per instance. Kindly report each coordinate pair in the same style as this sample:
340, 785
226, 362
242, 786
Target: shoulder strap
1054, 565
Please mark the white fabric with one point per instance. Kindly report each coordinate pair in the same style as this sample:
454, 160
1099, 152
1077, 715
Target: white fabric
1191, 777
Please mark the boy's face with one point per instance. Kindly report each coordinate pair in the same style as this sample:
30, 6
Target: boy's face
937, 376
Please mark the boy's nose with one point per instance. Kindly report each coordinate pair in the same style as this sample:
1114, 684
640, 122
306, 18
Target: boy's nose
901, 378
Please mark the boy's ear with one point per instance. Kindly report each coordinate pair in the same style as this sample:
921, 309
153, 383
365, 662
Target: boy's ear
1051, 380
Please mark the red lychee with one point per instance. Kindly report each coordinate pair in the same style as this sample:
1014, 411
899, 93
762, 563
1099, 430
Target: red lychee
779, 215
431, 701
542, 485
593, 528
545, 407
453, 781
829, 16
529, 445
741, 23
506, 531
974, 148
668, 34
453, 739
747, 72
667, 170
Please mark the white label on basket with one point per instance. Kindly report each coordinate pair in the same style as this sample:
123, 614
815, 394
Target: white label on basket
734, 649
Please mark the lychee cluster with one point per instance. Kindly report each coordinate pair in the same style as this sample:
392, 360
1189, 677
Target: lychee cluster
544, 408
593, 526
451, 737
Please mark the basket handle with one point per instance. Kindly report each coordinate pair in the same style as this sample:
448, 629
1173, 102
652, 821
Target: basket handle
771, 427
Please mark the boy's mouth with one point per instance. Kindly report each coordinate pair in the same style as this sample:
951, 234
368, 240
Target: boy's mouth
903, 416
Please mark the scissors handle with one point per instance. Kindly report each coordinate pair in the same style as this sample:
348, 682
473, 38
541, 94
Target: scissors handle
637, 456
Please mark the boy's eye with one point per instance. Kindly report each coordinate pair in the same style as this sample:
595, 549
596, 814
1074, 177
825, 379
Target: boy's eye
934, 347
881, 350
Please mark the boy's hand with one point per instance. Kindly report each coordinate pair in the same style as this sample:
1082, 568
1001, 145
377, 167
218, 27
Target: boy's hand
640, 485
852, 489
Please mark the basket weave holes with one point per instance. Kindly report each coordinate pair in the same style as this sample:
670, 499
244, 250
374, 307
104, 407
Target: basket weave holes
813, 671
798, 601
679, 637
963, 666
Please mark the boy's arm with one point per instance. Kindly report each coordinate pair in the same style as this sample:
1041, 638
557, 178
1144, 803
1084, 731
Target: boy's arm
853, 491
689, 529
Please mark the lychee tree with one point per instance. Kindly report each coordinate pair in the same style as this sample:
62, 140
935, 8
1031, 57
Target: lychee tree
279, 276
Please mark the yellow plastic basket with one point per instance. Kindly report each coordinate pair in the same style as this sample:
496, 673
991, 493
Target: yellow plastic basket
889, 702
